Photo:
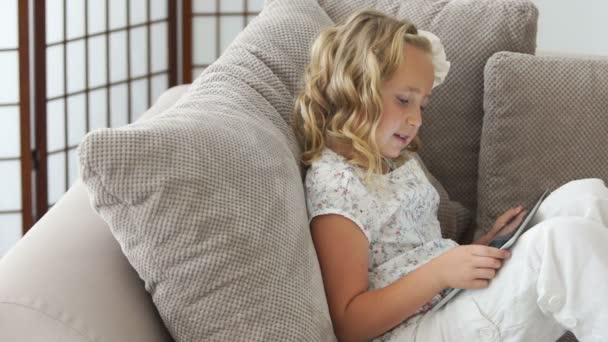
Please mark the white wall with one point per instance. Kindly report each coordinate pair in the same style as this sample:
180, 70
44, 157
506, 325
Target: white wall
573, 26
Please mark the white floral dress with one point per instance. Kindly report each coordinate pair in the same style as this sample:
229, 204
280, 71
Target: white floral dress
400, 221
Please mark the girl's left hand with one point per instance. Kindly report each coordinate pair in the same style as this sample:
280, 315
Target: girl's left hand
508, 222
505, 224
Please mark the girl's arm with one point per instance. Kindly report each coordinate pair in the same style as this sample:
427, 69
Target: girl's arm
358, 314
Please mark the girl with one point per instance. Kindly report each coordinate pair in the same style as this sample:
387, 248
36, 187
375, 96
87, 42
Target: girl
374, 213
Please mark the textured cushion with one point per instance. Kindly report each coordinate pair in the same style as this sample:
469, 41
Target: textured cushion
471, 31
546, 123
206, 198
454, 218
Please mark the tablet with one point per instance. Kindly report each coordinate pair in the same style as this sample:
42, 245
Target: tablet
503, 242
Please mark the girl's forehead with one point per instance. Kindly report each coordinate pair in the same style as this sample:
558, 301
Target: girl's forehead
413, 91
415, 74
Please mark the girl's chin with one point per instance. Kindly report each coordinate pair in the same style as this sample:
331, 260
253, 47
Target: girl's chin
391, 153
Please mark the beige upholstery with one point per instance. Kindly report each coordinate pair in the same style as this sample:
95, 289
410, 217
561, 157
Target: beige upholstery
545, 124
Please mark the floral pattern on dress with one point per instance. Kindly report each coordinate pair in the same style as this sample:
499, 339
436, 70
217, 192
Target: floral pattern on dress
399, 220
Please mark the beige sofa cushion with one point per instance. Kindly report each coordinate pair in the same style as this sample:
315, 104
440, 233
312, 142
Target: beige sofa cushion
453, 217
471, 31
546, 123
206, 198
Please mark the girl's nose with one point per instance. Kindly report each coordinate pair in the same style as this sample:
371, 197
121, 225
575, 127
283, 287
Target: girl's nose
415, 119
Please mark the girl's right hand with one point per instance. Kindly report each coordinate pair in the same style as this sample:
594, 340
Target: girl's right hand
469, 266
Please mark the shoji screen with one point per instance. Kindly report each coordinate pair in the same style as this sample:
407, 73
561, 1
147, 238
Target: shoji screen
100, 63
15, 156
209, 27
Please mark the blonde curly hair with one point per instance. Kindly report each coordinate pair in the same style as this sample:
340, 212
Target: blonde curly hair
341, 97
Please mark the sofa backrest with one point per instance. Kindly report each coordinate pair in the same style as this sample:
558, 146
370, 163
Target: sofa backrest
471, 31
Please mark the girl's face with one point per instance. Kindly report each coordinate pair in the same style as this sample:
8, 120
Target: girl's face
404, 96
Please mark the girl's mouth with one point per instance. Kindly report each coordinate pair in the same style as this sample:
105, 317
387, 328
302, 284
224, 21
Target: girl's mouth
402, 138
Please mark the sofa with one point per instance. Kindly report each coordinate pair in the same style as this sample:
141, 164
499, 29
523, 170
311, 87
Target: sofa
156, 242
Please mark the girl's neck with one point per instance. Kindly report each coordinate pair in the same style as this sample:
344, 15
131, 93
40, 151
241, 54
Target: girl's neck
346, 151
340, 148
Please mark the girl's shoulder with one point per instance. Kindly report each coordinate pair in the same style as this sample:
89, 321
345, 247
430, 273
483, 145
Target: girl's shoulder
330, 158
330, 169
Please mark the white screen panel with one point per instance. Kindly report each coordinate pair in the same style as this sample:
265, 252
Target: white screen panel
159, 85
139, 51
255, 5
56, 176
203, 40
231, 6
72, 166
76, 119
98, 109
119, 115
118, 56
196, 72
76, 65
9, 39
9, 79
97, 61
55, 129
159, 47
229, 28
138, 11
54, 71
9, 133
158, 9
118, 13
75, 14
54, 21
96, 16
10, 231
203, 6
139, 97
10, 183
10, 170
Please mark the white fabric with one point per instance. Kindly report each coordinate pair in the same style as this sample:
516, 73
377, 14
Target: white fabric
554, 281
440, 62
400, 221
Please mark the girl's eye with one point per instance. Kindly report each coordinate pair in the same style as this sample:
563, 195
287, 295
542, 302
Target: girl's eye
403, 101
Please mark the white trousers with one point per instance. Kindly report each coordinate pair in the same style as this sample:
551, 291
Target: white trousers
556, 280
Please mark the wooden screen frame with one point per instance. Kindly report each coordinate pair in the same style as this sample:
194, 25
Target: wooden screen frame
187, 15
40, 153
25, 154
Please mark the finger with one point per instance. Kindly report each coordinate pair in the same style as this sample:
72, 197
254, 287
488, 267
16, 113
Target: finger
505, 218
479, 284
487, 262
509, 214
485, 251
514, 223
485, 273
519, 217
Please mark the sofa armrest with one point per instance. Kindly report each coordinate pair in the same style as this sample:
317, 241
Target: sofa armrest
67, 280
